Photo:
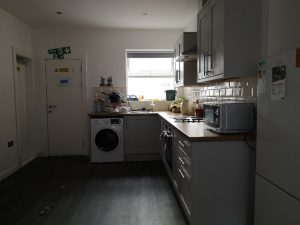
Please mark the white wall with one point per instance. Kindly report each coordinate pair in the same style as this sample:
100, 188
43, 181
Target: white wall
13, 33
105, 51
192, 26
281, 30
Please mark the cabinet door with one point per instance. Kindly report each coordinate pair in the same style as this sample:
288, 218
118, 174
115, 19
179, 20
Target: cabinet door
203, 43
216, 59
181, 69
177, 64
175, 161
142, 134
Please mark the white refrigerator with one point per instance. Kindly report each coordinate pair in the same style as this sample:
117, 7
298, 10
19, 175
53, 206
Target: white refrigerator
277, 197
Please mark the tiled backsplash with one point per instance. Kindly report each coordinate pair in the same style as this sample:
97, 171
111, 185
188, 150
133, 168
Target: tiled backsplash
233, 90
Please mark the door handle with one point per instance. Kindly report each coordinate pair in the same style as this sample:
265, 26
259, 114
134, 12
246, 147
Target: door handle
52, 106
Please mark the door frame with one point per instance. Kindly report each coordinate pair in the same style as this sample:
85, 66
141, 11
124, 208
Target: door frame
31, 103
83, 60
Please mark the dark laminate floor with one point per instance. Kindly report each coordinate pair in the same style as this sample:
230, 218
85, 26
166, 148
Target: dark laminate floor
79, 193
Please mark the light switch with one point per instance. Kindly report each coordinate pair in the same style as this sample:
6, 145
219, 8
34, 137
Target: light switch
10, 144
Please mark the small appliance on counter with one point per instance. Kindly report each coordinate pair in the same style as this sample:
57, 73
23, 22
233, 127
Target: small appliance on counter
229, 118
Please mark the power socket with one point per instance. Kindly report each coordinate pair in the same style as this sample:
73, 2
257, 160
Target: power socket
10, 144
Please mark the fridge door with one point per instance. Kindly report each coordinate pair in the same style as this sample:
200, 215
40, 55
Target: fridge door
273, 206
278, 139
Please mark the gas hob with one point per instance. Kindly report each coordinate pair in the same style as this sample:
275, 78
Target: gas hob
188, 119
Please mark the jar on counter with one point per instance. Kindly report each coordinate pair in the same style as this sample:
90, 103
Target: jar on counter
199, 109
184, 109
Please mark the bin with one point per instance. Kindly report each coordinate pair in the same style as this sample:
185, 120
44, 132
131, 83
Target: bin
170, 95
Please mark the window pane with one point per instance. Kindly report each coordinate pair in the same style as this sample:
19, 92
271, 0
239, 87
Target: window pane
150, 66
150, 88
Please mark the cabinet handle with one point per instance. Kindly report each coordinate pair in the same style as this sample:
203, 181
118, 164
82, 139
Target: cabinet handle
186, 173
206, 70
204, 56
181, 143
180, 159
181, 173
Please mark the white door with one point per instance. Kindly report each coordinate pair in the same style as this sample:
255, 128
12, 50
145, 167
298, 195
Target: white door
64, 102
22, 113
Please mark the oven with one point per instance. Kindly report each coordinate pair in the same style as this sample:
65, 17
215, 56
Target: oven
167, 143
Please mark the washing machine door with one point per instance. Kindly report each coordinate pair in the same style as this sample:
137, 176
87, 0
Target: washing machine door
107, 140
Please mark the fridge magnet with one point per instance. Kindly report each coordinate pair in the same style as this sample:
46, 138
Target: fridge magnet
278, 83
298, 58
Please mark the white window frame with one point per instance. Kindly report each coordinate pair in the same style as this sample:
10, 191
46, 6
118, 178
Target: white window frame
146, 54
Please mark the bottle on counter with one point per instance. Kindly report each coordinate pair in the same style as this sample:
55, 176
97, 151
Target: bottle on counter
199, 109
98, 103
194, 107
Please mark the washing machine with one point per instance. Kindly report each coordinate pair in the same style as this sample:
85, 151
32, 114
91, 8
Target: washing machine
107, 140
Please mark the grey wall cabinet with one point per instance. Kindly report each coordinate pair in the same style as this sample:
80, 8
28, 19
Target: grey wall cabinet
141, 137
228, 39
185, 59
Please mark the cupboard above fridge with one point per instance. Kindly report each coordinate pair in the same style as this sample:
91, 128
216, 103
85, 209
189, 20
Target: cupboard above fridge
228, 39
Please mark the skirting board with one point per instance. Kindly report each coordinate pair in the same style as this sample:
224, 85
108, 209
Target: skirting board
8, 172
142, 157
26, 161
15, 168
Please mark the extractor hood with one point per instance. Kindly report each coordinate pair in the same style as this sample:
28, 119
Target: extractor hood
188, 55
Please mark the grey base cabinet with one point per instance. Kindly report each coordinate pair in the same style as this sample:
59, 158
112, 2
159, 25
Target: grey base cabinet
141, 137
214, 181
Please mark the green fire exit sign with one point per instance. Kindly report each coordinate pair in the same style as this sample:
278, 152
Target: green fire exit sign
58, 53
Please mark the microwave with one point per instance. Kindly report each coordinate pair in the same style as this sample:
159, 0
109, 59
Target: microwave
229, 118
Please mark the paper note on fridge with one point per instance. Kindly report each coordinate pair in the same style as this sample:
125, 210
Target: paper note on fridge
278, 83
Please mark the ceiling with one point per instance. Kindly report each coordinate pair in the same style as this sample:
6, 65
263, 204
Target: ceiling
126, 14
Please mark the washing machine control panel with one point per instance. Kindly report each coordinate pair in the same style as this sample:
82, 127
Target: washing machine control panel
116, 121
107, 121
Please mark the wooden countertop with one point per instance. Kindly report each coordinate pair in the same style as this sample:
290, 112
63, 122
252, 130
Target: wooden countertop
199, 132
117, 114
195, 132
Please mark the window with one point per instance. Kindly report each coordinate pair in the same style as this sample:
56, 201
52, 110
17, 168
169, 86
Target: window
149, 74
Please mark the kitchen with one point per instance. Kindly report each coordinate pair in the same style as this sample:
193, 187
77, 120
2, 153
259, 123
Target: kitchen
105, 51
